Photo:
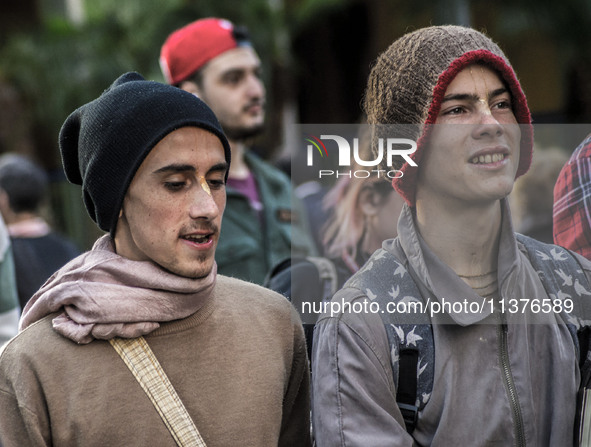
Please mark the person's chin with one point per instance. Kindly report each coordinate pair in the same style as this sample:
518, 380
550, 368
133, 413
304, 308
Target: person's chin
197, 273
245, 132
192, 269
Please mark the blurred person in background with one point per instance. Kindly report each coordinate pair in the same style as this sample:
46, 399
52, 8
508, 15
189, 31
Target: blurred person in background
364, 214
532, 197
38, 250
263, 223
572, 207
9, 308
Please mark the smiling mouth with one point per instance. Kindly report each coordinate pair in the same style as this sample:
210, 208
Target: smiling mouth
489, 158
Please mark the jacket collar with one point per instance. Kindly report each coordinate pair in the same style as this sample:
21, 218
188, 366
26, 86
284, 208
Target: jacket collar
440, 281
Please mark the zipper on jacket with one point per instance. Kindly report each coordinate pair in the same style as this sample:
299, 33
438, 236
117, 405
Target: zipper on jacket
510, 384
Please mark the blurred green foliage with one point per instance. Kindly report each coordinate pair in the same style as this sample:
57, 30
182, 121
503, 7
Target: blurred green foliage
58, 65
61, 65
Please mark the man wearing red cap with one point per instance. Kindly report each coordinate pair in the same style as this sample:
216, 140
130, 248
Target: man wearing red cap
214, 60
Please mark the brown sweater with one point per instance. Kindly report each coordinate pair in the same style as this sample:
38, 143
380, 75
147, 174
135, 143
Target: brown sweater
239, 365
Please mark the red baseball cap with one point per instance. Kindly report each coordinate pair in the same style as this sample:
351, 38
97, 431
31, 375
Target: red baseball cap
189, 48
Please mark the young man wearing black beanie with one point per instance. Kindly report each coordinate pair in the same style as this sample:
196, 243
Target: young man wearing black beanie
264, 223
464, 343
152, 161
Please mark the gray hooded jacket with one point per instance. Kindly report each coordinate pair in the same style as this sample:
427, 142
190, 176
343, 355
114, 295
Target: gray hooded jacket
495, 382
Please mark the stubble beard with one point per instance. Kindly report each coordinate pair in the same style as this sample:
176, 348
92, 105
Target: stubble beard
204, 269
243, 133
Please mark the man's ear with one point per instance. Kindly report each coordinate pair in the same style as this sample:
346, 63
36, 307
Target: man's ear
190, 87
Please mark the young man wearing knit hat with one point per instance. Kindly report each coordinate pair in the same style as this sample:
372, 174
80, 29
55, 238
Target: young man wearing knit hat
482, 375
263, 223
152, 161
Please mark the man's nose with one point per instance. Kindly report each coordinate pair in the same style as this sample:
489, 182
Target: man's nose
255, 87
203, 205
486, 122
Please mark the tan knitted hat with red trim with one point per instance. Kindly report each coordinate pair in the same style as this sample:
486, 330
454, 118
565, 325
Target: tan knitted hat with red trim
409, 80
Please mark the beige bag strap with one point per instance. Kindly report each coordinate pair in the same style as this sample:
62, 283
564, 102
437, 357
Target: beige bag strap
141, 361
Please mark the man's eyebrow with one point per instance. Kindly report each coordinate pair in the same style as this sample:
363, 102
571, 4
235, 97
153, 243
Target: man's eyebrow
172, 168
233, 71
472, 96
176, 168
239, 70
219, 167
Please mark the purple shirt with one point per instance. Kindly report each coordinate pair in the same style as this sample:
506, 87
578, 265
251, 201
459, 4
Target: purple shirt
248, 187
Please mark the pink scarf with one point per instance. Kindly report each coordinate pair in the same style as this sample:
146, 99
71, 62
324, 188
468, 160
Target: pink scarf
103, 295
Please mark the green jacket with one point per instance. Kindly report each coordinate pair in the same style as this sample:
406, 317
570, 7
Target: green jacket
247, 251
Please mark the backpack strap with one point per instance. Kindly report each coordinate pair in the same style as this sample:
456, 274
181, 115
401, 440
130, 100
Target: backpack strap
410, 334
145, 367
563, 278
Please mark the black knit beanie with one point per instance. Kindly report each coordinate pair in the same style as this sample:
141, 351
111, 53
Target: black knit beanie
104, 142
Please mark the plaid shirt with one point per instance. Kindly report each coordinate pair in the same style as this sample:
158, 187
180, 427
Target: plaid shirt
572, 202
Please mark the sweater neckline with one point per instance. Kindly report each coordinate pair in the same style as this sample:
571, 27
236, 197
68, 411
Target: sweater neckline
190, 322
